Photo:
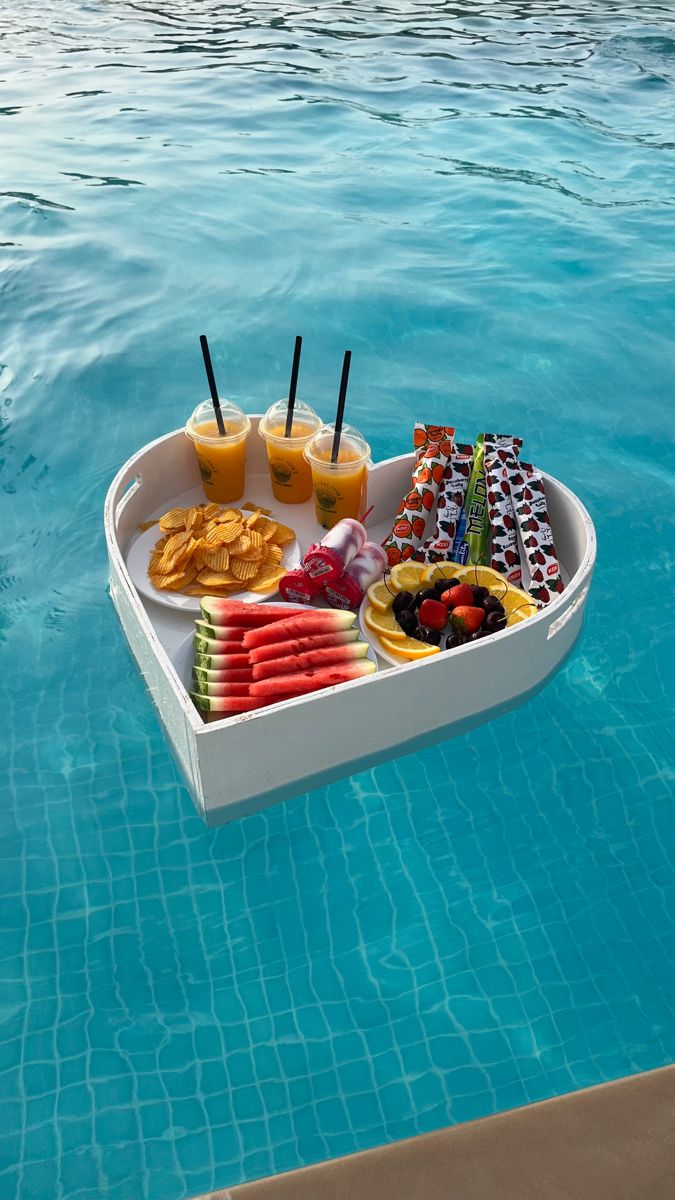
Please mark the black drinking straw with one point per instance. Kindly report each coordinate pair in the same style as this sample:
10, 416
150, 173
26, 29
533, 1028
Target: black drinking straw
341, 406
212, 384
293, 386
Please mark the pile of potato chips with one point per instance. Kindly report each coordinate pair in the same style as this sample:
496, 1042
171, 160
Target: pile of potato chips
216, 551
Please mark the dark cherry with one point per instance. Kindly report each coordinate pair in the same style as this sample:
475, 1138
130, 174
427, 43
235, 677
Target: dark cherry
449, 583
495, 621
480, 593
452, 641
492, 604
440, 586
426, 594
408, 622
432, 636
401, 601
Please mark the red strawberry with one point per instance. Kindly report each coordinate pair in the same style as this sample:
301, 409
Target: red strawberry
509, 521
510, 557
462, 593
466, 618
432, 614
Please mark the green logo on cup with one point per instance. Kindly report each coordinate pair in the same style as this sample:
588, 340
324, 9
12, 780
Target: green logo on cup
325, 500
281, 474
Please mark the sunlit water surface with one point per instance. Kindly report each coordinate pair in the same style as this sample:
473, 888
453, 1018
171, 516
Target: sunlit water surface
479, 200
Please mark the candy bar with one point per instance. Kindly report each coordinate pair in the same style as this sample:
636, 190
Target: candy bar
433, 446
327, 560
451, 493
471, 543
529, 503
504, 551
349, 590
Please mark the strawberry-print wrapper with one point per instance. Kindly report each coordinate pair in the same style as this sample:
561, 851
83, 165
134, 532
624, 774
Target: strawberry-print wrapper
504, 549
472, 540
529, 505
451, 493
433, 447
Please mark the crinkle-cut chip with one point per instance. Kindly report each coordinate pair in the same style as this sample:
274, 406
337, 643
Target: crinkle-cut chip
211, 511
145, 525
241, 545
215, 578
227, 514
267, 582
283, 534
173, 582
161, 567
176, 542
228, 532
195, 519
266, 529
273, 554
174, 519
255, 540
219, 559
243, 569
250, 507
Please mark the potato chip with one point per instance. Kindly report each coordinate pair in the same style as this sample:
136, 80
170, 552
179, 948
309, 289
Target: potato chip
243, 570
145, 525
174, 519
210, 549
283, 534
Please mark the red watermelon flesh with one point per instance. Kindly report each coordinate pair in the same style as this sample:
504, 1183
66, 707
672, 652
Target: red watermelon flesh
229, 706
204, 675
340, 637
311, 681
222, 662
301, 624
221, 633
206, 687
220, 611
214, 646
326, 657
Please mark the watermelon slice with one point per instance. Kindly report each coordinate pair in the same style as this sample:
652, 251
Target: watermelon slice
219, 611
204, 675
222, 662
311, 681
206, 687
221, 633
326, 657
301, 624
228, 705
214, 646
300, 645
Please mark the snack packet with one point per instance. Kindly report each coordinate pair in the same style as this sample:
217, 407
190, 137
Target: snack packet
472, 539
529, 503
504, 550
451, 493
433, 445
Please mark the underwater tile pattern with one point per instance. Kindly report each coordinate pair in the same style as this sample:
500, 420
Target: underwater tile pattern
479, 202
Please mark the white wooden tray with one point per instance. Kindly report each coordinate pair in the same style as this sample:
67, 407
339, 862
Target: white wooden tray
242, 764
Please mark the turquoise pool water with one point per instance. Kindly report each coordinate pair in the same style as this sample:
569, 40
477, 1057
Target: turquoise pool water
479, 201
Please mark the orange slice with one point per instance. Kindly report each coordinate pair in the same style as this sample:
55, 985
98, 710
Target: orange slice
379, 595
407, 576
409, 648
384, 623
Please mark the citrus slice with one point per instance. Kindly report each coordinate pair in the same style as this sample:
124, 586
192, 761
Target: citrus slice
379, 595
409, 648
442, 570
407, 576
384, 623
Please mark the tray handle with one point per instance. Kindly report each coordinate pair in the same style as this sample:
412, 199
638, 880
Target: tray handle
126, 485
561, 621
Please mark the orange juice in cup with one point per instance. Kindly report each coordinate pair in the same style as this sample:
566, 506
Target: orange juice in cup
290, 473
221, 458
339, 487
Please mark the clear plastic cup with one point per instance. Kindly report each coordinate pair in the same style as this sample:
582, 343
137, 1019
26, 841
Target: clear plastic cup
339, 488
222, 460
290, 473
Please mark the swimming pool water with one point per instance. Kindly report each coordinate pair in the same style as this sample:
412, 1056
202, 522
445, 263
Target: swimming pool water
478, 200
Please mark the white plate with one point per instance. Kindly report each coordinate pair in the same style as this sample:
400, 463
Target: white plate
183, 657
137, 566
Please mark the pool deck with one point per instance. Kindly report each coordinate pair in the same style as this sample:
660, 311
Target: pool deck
612, 1142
